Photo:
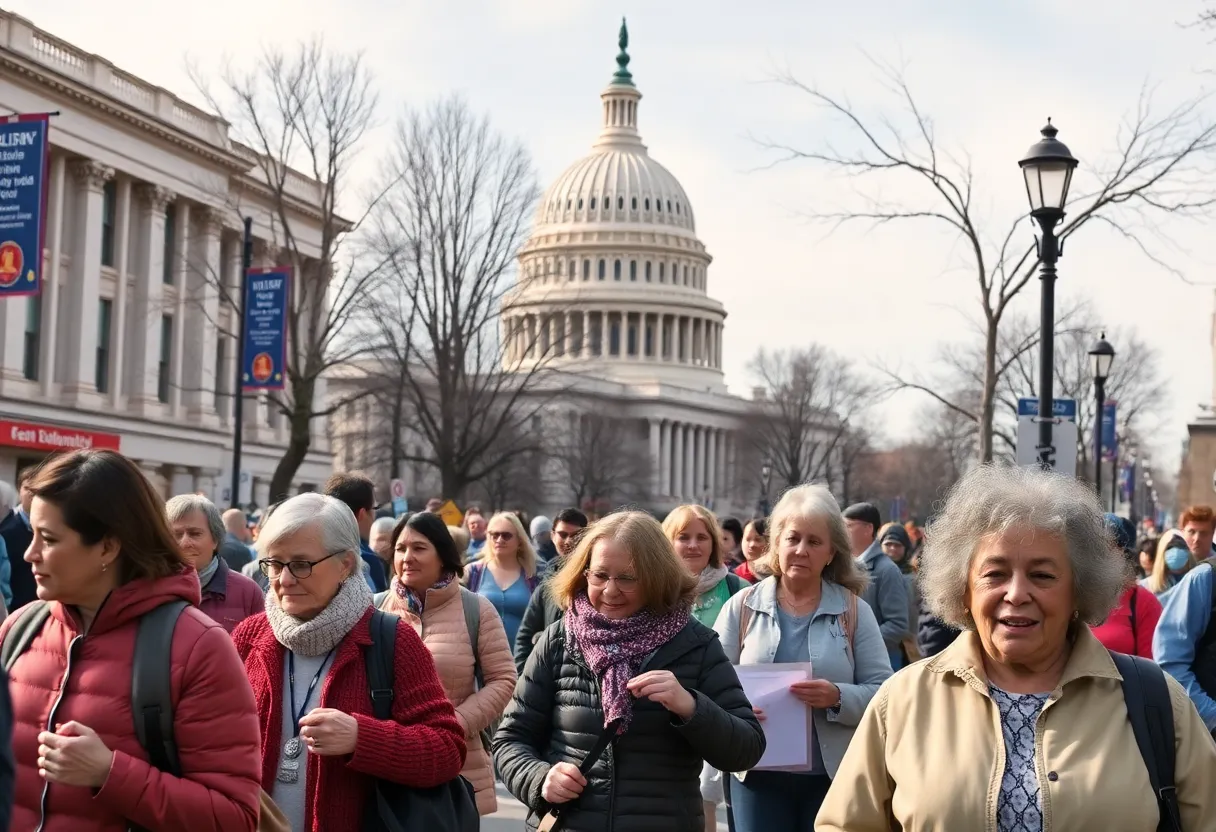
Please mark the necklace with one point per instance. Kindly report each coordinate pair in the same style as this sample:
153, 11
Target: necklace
796, 607
289, 766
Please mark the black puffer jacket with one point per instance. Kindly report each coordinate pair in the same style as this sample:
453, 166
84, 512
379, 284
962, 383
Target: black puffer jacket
542, 611
649, 779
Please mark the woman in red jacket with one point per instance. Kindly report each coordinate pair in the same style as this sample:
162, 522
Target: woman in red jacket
102, 557
228, 597
1130, 626
322, 749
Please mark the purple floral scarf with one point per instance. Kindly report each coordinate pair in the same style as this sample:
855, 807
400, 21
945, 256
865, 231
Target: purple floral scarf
412, 599
615, 648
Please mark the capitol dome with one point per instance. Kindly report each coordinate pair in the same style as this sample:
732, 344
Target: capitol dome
613, 278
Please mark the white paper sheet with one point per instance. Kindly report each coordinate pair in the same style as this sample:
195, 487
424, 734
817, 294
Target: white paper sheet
786, 724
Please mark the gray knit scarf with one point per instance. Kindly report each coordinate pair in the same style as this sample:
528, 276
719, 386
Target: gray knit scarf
709, 578
318, 635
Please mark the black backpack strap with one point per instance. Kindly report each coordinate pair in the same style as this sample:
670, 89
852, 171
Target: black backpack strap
151, 689
26, 626
379, 659
1147, 697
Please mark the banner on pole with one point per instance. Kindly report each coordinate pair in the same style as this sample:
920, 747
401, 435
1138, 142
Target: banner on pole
1110, 437
23, 187
265, 349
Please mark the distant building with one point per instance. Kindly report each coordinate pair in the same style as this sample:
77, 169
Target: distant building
124, 346
1197, 478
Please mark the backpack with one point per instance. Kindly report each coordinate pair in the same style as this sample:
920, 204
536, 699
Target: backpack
151, 701
393, 807
470, 603
1151, 714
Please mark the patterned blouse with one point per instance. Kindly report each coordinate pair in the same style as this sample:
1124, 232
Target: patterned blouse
1019, 807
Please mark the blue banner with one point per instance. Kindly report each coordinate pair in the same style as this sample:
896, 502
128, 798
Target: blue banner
1110, 437
1061, 408
23, 186
265, 350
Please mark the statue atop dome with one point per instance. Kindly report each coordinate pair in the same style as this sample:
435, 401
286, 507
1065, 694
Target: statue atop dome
622, 74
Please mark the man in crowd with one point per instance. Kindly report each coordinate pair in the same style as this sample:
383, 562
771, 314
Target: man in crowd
542, 611
434, 504
17, 533
236, 548
1184, 643
380, 539
359, 494
886, 593
475, 524
1197, 525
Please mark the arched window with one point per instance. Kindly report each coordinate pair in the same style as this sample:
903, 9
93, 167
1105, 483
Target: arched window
662, 272
567, 205
669, 206
647, 203
573, 270
686, 275
677, 208
603, 269
633, 203
647, 271
658, 205
616, 270
592, 203
586, 270
620, 203
580, 203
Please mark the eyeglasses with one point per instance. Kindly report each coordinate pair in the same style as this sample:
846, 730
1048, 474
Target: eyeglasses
299, 569
625, 583
503, 536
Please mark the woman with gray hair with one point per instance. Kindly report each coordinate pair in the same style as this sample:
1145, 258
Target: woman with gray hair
1024, 714
324, 742
228, 596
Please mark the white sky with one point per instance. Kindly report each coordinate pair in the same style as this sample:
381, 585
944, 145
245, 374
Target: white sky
988, 73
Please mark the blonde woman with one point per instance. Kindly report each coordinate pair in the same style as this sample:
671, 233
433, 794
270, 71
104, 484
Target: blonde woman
1174, 559
506, 572
695, 535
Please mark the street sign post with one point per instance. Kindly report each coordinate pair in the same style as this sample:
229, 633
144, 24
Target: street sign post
396, 490
1064, 436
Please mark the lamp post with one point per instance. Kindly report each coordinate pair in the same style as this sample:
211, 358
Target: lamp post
766, 473
1047, 169
1101, 357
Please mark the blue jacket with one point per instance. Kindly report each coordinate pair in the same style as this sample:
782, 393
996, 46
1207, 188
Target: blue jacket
858, 676
375, 573
1185, 614
887, 596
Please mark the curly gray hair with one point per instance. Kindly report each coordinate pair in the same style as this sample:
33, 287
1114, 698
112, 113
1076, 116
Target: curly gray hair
990, 500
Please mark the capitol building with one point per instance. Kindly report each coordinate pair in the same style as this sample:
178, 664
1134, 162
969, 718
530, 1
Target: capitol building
613, 298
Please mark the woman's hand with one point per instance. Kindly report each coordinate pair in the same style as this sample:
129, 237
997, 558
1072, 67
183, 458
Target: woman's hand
818, 693
662, 686
328, 732
563, 783
759, 712
74, 756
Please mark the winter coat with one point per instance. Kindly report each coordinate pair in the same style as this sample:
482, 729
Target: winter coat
234, 553
229, 597
929, 753
932, 634
1121, 634
8, 771
17, 536
423, 746
443, 631
648, 780
887, 595
541, 612
215, 724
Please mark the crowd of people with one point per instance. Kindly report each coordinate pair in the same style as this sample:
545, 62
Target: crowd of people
171, 668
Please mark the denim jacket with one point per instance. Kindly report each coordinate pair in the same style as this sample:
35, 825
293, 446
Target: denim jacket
858, 679
1185, 614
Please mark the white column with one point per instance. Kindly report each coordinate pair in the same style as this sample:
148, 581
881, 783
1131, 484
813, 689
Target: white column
604, 342
732, 469
584, 349
665, 458
677, 462
711, 463
687, 340
690, 462
722, 486
52, 279
181, 274
80, 336
700, 464
204, 308
147, 306
656, 457
122, 262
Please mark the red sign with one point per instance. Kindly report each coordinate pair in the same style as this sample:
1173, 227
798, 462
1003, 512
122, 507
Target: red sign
52, 438
11, 261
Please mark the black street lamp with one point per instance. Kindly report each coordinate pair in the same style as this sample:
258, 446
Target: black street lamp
766, 473
1048, 169
1101, 357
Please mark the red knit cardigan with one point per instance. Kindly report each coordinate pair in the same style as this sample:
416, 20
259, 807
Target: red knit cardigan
423, 746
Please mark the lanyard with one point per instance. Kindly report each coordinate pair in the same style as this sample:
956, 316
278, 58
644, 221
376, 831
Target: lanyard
291, 684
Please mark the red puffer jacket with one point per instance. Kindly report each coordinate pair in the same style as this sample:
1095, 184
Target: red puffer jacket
214, 720
423, 746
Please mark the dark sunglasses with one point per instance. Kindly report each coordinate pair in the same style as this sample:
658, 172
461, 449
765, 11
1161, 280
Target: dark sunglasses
503, 535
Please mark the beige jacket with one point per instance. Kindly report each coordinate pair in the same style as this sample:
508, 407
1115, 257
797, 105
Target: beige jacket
929, 753
443, 631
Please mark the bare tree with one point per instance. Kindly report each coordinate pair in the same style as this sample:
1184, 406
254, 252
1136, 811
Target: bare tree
1158, 171
810, 398
600, 456
457, 201
302, 111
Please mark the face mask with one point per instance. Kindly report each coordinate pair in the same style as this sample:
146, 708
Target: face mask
1176, 559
